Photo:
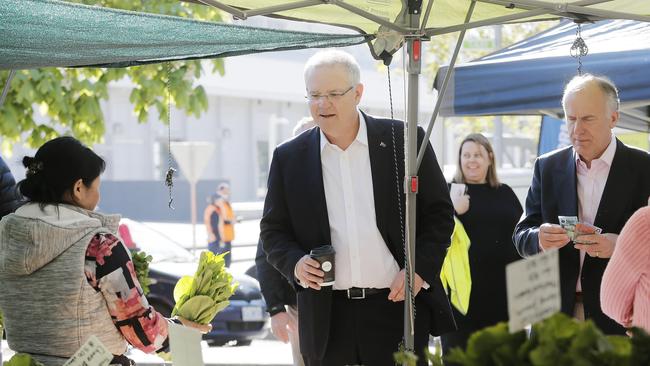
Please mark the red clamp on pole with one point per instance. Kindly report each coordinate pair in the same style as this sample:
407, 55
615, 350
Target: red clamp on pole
417, 49
414, 184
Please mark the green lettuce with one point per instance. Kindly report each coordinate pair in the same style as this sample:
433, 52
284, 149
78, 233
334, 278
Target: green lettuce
22, 359
200, 297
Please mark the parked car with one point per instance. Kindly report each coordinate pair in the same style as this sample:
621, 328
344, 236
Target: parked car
242, 321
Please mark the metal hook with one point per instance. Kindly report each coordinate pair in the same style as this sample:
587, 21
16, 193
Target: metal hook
169, 182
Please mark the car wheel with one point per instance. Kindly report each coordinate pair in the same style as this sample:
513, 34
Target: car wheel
217, 342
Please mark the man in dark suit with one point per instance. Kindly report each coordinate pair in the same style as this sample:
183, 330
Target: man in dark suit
281, 305
598, 179
342, 184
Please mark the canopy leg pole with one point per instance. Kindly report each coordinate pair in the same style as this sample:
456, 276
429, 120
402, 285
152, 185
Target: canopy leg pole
414, 68
443, 88
5, 90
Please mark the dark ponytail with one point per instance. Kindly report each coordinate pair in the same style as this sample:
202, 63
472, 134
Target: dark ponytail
57, 165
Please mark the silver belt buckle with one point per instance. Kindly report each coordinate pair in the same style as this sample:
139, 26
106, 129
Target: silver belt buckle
352, 297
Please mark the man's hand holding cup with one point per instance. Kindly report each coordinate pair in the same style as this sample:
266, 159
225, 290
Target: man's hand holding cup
308, 272
317, 268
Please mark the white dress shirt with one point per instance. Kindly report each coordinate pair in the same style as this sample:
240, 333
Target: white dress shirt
591, 185
362, 257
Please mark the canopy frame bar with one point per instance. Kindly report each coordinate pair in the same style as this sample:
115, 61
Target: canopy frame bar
244, 14
425, 19
227, 8
443, 88
5, 90
635, 114
578, 10
510, 17
278, 8
370, 16
571, 8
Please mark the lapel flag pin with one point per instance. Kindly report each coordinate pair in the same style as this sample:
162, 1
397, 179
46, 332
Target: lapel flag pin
382, 144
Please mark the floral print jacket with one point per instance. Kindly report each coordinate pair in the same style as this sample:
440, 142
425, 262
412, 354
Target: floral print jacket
109, 270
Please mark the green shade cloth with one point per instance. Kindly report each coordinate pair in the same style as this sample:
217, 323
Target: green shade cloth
444, 13
42, 33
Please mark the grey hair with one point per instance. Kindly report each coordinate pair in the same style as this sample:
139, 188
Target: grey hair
303, 125
605, 84
333, 57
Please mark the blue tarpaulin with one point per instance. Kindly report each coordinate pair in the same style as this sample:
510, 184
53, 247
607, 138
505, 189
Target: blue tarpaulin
528, 77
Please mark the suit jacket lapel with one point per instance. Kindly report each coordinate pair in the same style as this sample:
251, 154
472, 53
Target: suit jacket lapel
612, 203
567, 190
567, 197
314, 187
380, 148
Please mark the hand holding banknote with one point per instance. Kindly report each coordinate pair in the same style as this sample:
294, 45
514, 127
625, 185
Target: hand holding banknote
552, 236
591, 240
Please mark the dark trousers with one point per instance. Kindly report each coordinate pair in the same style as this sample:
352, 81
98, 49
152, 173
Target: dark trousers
454, 339
368, 332
217, 248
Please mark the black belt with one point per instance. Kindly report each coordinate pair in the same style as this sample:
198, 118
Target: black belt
356, 293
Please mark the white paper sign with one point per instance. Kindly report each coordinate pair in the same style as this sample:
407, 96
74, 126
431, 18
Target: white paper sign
185, 345
456, 190
533, 286
92, 353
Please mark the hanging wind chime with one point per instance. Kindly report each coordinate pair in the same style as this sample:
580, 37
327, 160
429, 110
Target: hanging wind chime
169, 176
579, 48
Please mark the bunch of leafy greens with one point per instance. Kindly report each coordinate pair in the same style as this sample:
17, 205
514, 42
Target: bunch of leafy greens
405, 357
141, 264
556, 341
201, 297
22, 359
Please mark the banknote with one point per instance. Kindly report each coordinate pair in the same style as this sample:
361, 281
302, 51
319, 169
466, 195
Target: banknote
585, 229
568, 223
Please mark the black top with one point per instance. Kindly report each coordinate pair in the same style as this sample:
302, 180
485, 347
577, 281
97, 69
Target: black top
489, 223
10, 199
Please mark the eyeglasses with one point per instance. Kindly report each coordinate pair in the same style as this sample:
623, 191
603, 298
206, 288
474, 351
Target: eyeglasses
330, 97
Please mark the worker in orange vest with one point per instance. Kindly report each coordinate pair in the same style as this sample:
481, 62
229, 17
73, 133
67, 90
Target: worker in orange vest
211, 221
219, 219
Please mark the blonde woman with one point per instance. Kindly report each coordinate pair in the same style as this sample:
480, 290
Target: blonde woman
489, 211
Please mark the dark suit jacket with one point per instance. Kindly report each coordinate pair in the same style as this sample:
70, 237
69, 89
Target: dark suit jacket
295, 221
554, 192
276, 289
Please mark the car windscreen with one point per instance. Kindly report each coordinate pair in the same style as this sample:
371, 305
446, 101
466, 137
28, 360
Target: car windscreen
155, 243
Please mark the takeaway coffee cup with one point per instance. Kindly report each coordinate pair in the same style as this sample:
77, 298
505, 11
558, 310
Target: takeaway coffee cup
325, 256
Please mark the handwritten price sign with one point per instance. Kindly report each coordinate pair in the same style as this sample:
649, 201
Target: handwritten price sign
533, 286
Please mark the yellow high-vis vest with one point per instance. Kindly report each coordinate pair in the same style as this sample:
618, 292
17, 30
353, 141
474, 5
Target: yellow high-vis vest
455, 275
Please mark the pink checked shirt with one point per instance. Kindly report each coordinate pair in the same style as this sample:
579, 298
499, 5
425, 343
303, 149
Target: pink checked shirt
591, 184
625, 290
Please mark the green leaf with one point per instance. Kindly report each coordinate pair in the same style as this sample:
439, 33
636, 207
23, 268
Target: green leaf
22, 359
182, 286
197, 308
